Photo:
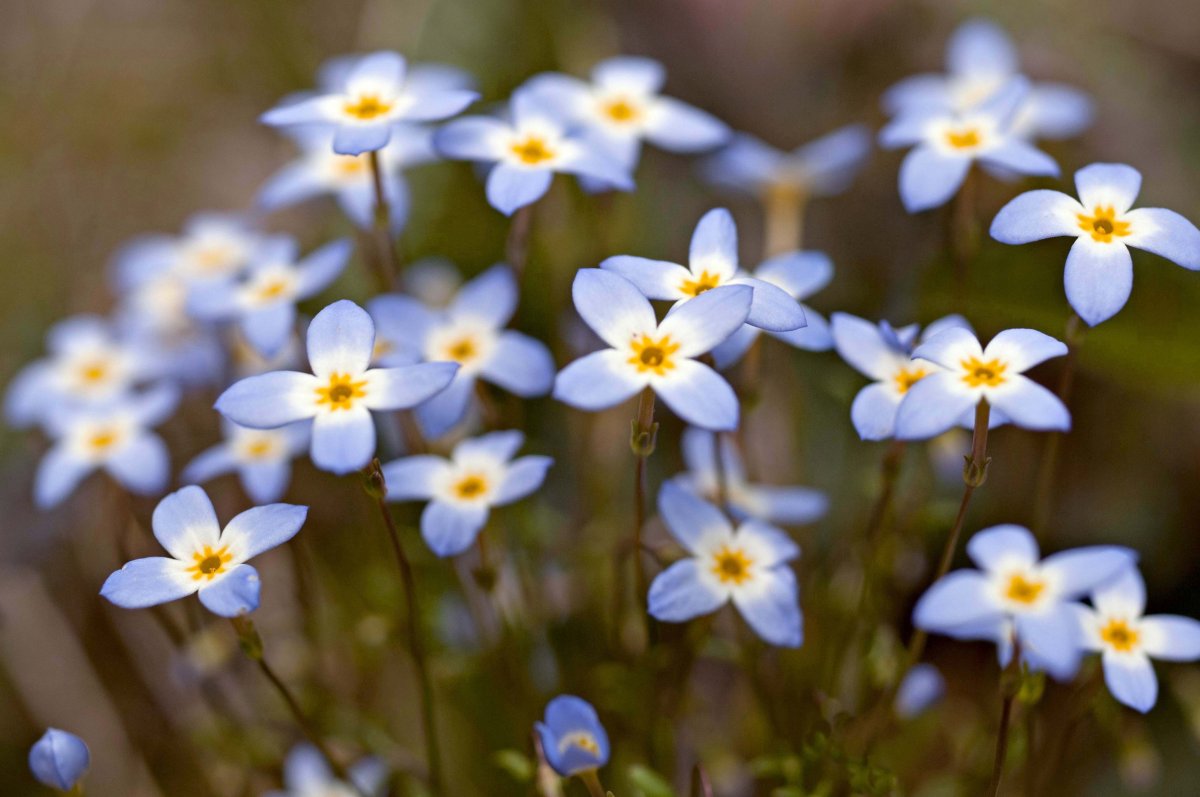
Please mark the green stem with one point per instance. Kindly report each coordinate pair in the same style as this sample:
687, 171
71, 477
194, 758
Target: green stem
516, 246
642, 442
1009, 685
591, 779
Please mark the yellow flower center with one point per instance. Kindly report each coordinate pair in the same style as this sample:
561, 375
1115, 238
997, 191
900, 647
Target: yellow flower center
208, 564
367, 107
1024, 590
532, 150
731, 565
1103, 224
907, 377
621, 110
259, 446
102, 440
93, 372
382, 348
581, 739
983, 374
341, 392
1120, 636
964, 138
705, 282
472, 486
462, 350
653, 355
272, 288
349, 165
212, 257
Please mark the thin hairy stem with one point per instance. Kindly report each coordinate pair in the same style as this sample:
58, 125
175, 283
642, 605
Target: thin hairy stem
516, 246
389, 263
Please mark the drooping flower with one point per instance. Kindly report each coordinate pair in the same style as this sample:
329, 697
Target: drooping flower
204, 559
980, 60
469, 331
947, 142
262, 459
1099, 269
113, 436
306, 774
773, 504
572, 737
341, 392
462, 489
1014, 596
823, 167
922, 686
647, 354
526, 150
59, 759
712, 262
971, 373
369, 99
1115, 627
747, 566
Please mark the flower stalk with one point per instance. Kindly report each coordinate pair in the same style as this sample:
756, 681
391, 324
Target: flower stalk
642, 441
389, 264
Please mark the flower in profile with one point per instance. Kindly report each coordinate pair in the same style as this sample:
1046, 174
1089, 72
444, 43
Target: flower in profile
823, 167
204, 559
113, 436
623, 106
774, 504
980, 59
970, 374
263, 300
367, 101
747, 566
946, 143
712, 262
526, 149
922, 686
644, 353
306, 774
59, 759
469, 331
1014, 597
1099, 270
1115, 627
462, 489
572, 737
885, 354
341, 392
262, 459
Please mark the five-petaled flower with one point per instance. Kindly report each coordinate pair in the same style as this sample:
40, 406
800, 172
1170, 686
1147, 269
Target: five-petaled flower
647, 354
462, 489
1099, 270
747, 565
1014, 597
59, 759
261, 457
204, 559
306, 774
573, 740
822, 167
341, 392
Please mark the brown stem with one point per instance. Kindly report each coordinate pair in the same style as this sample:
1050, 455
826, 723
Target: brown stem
1047, 468
784, 206
591, 779
389, 263
642, 442
516, 246
701, 786
1009, 685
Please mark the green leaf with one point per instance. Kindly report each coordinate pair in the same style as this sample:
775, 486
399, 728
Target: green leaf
516, 764
648, 783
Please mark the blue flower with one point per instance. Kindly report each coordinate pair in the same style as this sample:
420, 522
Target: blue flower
526, 150
712, 262
306, 774
204, 559
1014, 596
210, 246
971, 374
922, 686
469, 331
1127, 640
461, 490
747, 565
884, 354
59, 759
786, 505
947, 142
1099, 270
980, 59
572, 737
263, 301
362, 102
113, 436
261, 457
647, 354
341, 392
823, 167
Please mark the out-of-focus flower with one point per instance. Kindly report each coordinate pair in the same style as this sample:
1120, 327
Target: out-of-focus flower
884, 353
263, 300
59, 759
1127, 641
922, 686
262, 459
572, 737
341, 392
306, 774
1014, 596
204, 559
747, 565
469, 331
946, 143
970, 374
647, 354
712, 262
980, 59
113, 436
371, 97
211, 246
823, 167
1099, 270
461, 490
527, 149
786, 505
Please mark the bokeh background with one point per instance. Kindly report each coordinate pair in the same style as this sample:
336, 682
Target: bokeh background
126, 116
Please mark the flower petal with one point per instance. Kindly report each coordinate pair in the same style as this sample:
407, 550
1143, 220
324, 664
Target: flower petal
492, 448
355, 138
949, 347
490, 297
1098, 278
185, 522
343, 441
406, 386
1057, 111
980, 47
957, 599
656, 279
860, 343
1123, 594
414, 478
1029, 405
929, 178
473, 138
236, 593
1112, 185
772, 546
1036, 215
262, 528
1022, 349
690, 519
999, 547
933, 405
341, 339
1019, 156
698, 325
734, 347
1081, 570
600, 380
612, 306
270, 400
873, 412
679, 127
771, 606
801, 274
680, 593
524, 476
148, 582
714, 245
1131, 680
449, 529
631, 73
698, 395
1052, 640
771, 308
58, 474
322, 267
520, 364
1165, 233
441, 413
266, 482
510, 188
209, 464
1170, 637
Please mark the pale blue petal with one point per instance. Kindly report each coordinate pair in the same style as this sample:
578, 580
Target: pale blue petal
630, 73
294, 183
745, 164
960, 598
262, 528
148, 582
305, 770
1131, 680
270, 400
1081, 570
699, 325
143, 465
1052, 640
594, 161
265, 482
1030, 406
448, 408
951, 321
929, 178
1108, 184
772, 608
1021, 157
520, 364
656, 279
612, 306
402, 319
343, 441
355, 138
815, 335
524, 476
510, 188
776, 545
209, 464
58, 474
490, 297
59, 759
793, 506
496, 446
714, 245
450, 529
1098, 279
406, 386
735, 346
699, 395
474, 138
310, 111
565, 715
921, 688
949, 346
771, 308
382, 70
1165, 233
322, 267
341, 339
25, 401
873, 412
414, 478
679, 593
689, 518
1036, 215
679, 127
1124, 594
430, 104
153, 406
185, 522
269, 328
832, 161
980, 47
909, 128
998, 547
933, 405
1022, 349
234, 594
1059, 111
860, 343
1170, 637
801, 274
600, 380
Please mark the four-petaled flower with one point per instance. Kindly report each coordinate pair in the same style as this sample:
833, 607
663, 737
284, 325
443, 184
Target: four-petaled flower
573, 740
261, 457
306, 774
822, 167
59, 759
